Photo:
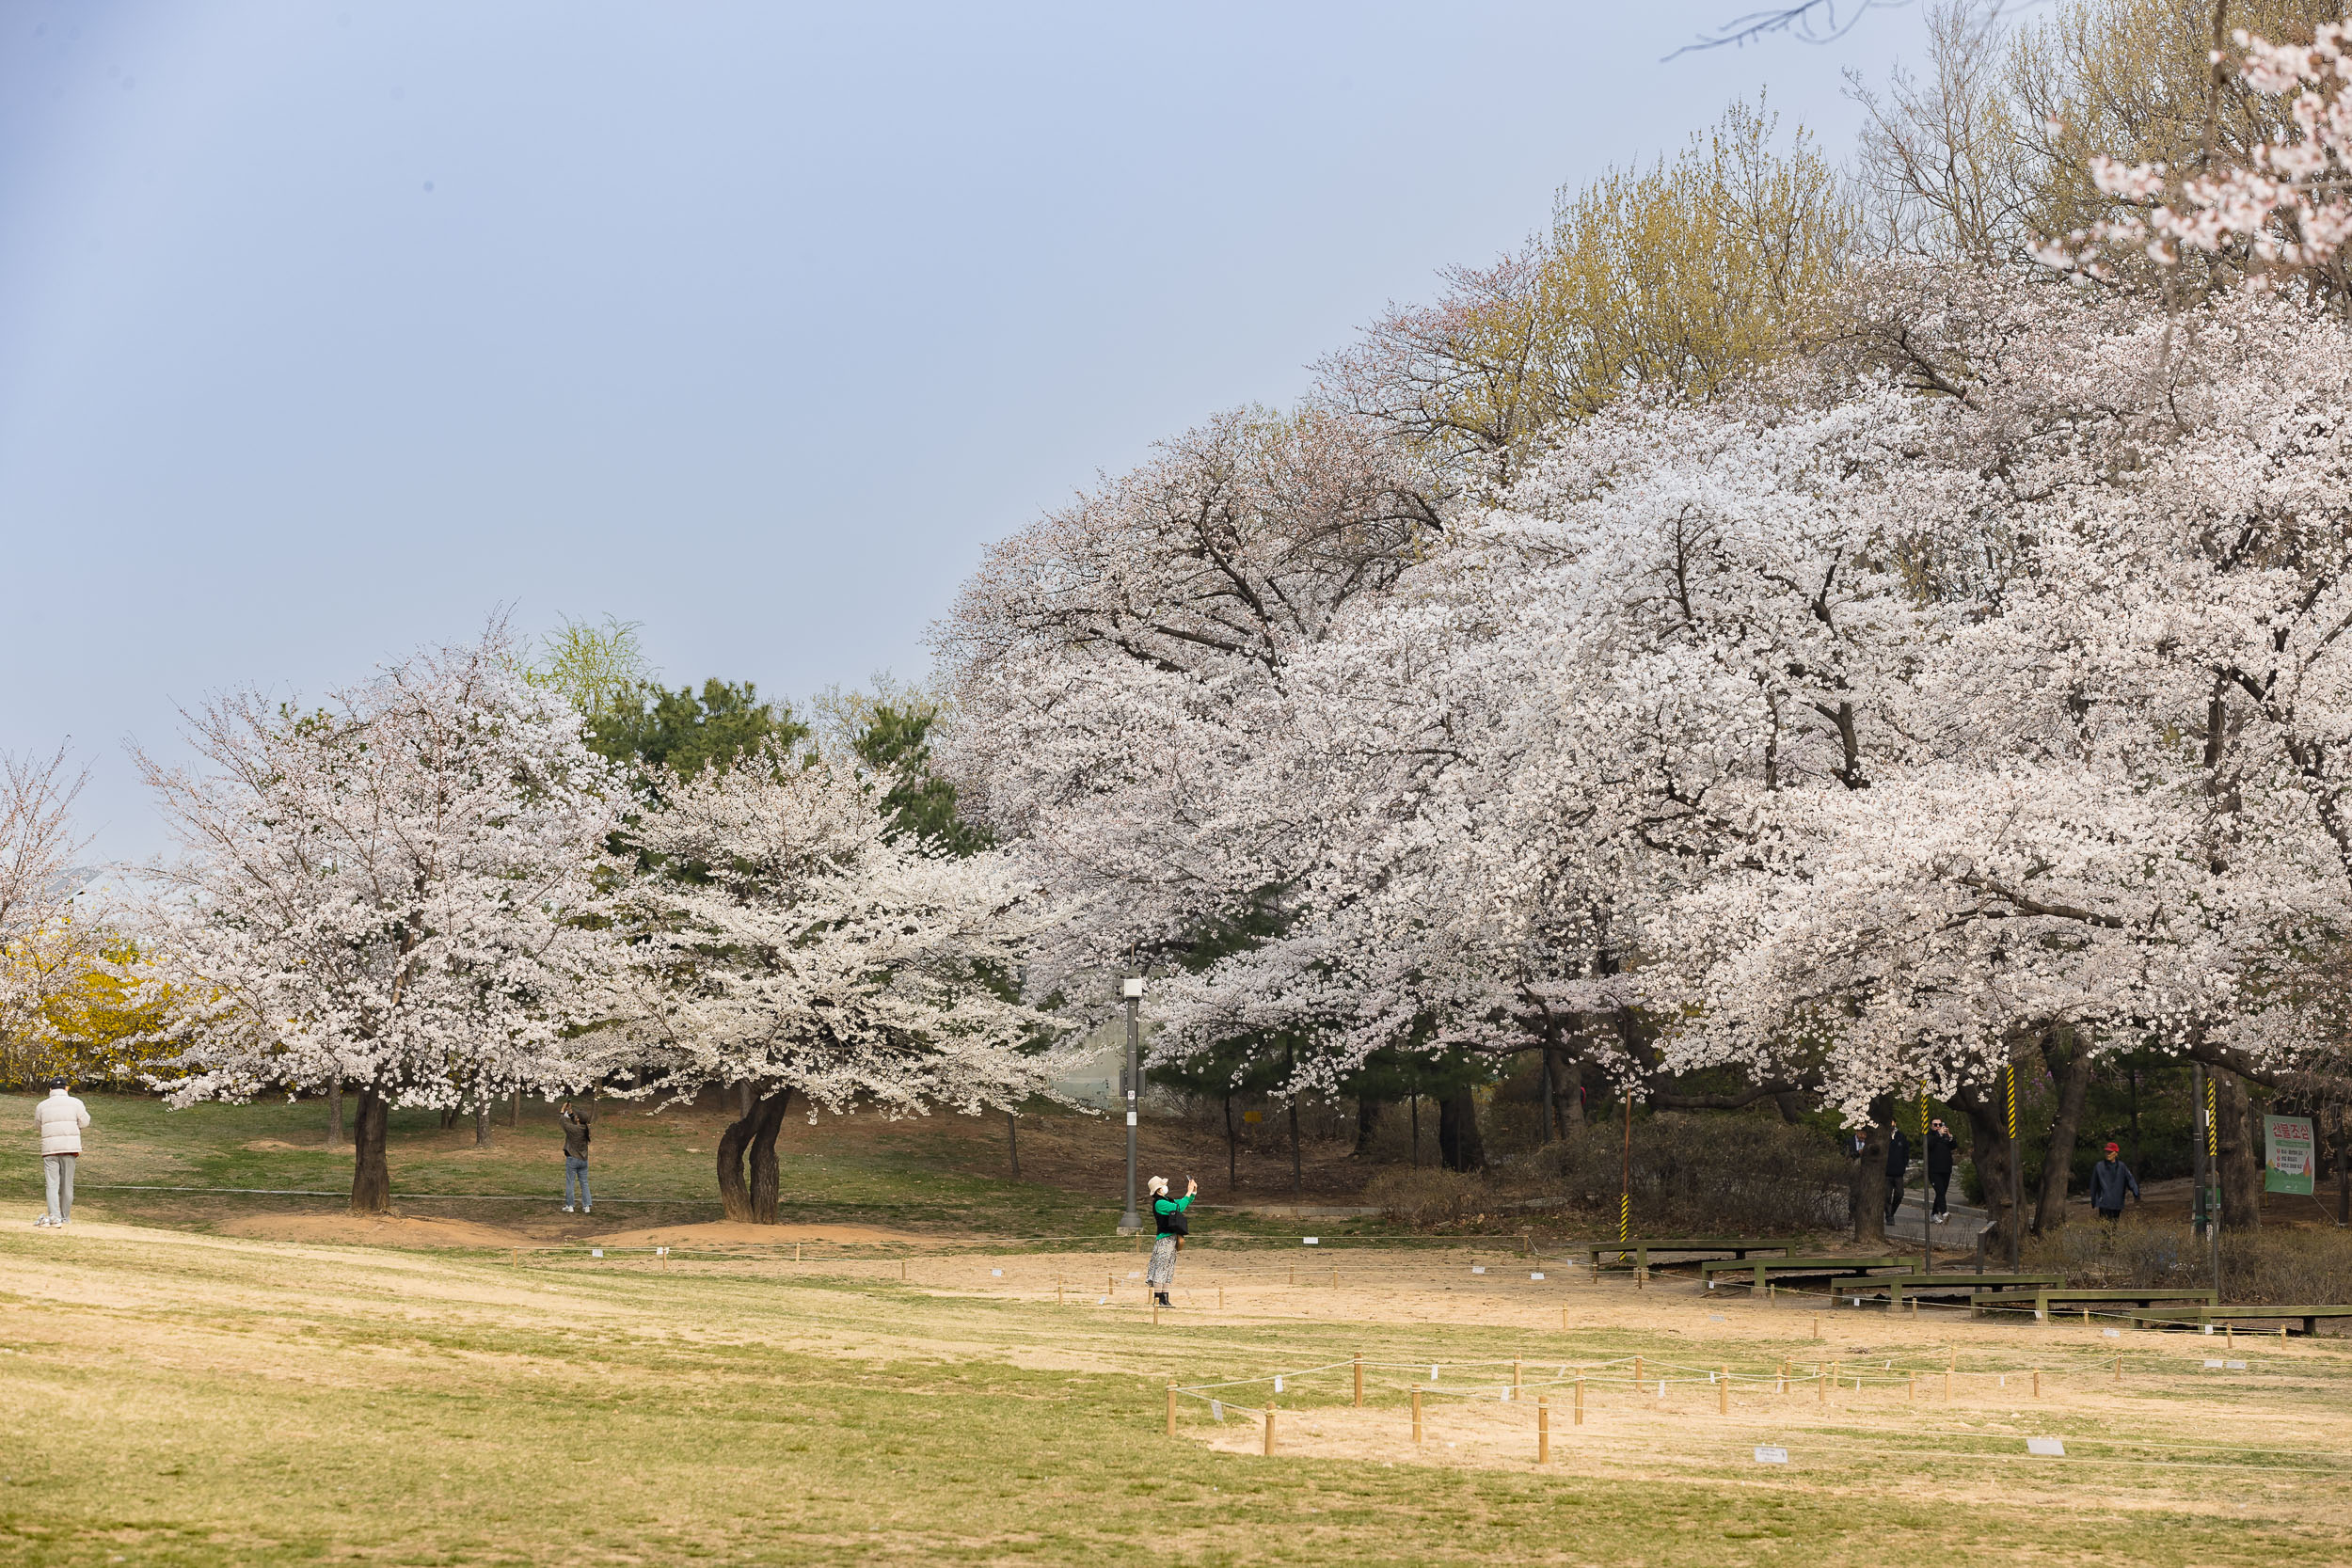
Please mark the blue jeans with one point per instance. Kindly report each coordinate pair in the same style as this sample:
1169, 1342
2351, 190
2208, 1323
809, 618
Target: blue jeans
576, 1176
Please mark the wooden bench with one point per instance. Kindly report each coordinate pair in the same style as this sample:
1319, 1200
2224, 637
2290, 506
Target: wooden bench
1969, 1285
2203, 1317
1639, 1251
1806, 1268
2044, 1300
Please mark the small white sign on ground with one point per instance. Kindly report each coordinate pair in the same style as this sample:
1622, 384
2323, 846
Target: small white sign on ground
1312, 1241
2213, 1363
1478, 1268
1771, 1456
596, 1252
2112, 1333
1536, 1276
1216, 1410
996, 1273
2048, 1447
2236, 1366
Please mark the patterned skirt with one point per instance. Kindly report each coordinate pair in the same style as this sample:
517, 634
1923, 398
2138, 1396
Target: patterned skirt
1163, 1265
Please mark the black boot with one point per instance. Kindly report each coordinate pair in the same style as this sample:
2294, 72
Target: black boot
1163, 1297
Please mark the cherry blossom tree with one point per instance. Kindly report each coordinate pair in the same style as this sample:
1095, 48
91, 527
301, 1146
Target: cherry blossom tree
784, 938
395, 890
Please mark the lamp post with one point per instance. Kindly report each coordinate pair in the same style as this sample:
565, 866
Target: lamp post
1129, 1223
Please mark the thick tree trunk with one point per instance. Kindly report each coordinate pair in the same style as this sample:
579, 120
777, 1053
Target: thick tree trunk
1790, 1104
1459, 1147
1988, 1150
2057, 1155
370, 1177
481, 1124
750, 1195
1866, 1198
748, 1175
1551, 1114
335, 1113
1572, 1094
1367, 1125
2241, 1153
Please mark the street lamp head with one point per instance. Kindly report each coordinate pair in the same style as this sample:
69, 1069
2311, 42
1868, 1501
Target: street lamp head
1134, 986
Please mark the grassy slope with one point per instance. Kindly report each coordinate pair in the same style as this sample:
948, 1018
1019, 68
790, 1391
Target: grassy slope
202, 1401
939, 1173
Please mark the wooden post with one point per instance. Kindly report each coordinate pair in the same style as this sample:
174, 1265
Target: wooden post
1817, 1325
1579, 1402
1417, 1417
1360, 1382
1293, 1271
1914, 1307
1542, 1432
1110, 1284
1722, 1391
2086, 1317
2119, 1363
1057, 1291
1637, 1371
796, 1252
1514, 1382
1269, 1429
2229, 1335
1220, 1298
1770, 1292
1171, 1410
902, 1271
1641, 1276
2037, 1383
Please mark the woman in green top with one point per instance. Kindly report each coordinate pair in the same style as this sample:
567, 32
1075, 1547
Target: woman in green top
1167, 1214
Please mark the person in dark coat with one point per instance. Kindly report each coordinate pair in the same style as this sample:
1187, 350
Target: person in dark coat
2110, 1181
1898, 1165
1940, 1147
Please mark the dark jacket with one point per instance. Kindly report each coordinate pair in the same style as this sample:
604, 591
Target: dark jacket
1898, 1156
1940, 1152
2109, 1181
575, 1135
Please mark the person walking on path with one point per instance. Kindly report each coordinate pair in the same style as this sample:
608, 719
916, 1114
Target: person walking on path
61, 1119
1940, 1147
1167, 1214
1898, 1165
2110, 1180
574, 1158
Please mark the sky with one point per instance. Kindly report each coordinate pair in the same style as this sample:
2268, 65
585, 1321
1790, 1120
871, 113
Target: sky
331, 330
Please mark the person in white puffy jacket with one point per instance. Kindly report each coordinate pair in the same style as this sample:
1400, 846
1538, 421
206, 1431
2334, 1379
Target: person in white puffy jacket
60, 1118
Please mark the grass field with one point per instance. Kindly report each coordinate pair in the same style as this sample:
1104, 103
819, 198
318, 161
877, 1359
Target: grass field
191, 1381
190, 1399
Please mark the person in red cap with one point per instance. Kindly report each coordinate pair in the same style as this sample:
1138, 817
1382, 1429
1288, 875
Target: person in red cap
2110, 1181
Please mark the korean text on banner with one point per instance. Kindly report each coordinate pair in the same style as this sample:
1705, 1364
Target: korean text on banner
2287, 1154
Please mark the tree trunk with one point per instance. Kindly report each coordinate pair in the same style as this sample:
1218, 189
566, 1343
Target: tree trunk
1367, 1124
1572, 1094
1866, 1198
1988, 1150
751, 1141
1551, 1111
370, 1177
2057, 1155
1012, 1141
2241, 1153
335, 1113
1459, 1147
1233, 1147
481, 1123
1791, 1106
1298, 1181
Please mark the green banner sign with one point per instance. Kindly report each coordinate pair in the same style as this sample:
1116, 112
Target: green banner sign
2287, 1154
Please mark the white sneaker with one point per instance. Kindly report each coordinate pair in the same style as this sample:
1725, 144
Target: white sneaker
44, 1221
587, 1208
567, 1207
